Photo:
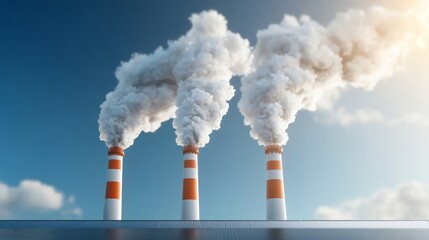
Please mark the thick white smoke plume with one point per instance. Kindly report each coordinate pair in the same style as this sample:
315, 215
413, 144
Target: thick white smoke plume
212, 56
142, 100
191, 76
297, 62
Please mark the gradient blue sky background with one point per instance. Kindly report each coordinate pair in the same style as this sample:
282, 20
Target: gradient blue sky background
57, 63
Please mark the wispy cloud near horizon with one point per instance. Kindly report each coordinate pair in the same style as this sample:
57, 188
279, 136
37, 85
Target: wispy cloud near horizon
408, 201
363, 116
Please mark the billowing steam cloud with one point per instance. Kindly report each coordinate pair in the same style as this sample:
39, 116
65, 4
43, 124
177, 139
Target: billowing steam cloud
297, 62
212, 56
193, 73
143, 99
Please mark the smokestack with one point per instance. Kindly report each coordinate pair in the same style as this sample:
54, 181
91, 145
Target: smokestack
276, 205
190, 202
113, 198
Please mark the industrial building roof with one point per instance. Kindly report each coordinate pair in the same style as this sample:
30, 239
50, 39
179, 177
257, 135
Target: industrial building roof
237, 230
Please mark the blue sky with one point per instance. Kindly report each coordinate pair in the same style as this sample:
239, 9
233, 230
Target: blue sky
58, 62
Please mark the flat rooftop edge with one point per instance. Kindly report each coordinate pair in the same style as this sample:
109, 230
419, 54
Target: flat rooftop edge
213, 224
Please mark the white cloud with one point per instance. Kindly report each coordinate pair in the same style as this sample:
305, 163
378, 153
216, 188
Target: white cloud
408, 201
362, 116
417, 119
32, 194
346, 118
71, 199
75, 212
71, 211
32, 197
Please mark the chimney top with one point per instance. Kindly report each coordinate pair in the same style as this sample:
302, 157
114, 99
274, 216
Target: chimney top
273, 149
190, 149
116, 151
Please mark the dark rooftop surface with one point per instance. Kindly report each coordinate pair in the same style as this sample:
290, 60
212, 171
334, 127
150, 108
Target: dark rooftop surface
237, 230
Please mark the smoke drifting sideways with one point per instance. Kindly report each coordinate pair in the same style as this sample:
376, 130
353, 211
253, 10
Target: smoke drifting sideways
142, 100
189, 78
299, 64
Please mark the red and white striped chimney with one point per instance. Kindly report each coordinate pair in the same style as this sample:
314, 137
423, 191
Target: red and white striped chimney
113, 198
276, 205
190, 202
